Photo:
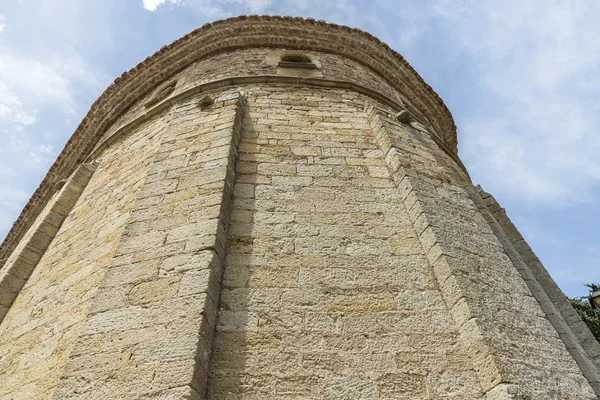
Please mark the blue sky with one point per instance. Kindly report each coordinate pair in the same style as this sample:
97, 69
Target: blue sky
522, 79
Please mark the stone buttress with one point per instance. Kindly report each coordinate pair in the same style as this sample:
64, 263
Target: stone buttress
274, 208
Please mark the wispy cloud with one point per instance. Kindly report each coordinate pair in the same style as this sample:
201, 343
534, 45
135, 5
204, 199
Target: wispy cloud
2, 25
12, 110
537, 71
29, 83
11, 202
153, 4
216, 8
41, 84
31, 86
254, 6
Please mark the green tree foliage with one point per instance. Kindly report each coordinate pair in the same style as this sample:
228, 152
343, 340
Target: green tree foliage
588, 314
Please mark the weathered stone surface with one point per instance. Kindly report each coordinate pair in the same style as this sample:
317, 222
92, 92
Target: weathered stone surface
485, 291
334, 281
254, 234
48, 315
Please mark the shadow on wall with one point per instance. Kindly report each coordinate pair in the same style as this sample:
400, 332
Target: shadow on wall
236, 323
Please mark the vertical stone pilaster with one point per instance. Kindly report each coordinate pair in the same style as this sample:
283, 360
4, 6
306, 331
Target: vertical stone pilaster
506, 332
27, 254
149, 332
578, 339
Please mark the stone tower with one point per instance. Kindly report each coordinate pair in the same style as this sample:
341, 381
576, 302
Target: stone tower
274, 208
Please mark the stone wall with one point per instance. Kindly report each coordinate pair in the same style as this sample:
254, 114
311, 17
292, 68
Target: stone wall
41, 328
327, 293
149, 332
252, 62
23, 260
516, 351
581, 344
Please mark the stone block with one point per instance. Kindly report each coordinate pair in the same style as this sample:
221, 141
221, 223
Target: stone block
460, 383
131, 273
349, 387
237, 321
405, 246
200, 281
402, 386
112, 320
154, 291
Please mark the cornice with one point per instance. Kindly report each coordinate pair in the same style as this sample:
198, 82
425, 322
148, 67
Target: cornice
219, 37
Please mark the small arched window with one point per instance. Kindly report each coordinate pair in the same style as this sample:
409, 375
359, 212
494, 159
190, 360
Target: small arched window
296, 61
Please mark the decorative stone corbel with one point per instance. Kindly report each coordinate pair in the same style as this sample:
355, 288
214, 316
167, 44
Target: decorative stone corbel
404, 117
205, 101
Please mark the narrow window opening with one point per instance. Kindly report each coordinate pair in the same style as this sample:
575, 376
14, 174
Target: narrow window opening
295, 58
296, 61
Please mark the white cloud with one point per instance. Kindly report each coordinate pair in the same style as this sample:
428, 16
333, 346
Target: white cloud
253, 6
12, 109
12, 200
2, 26
46, 149
28, 84
42, 82
153, 4
216, 8
537, 71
